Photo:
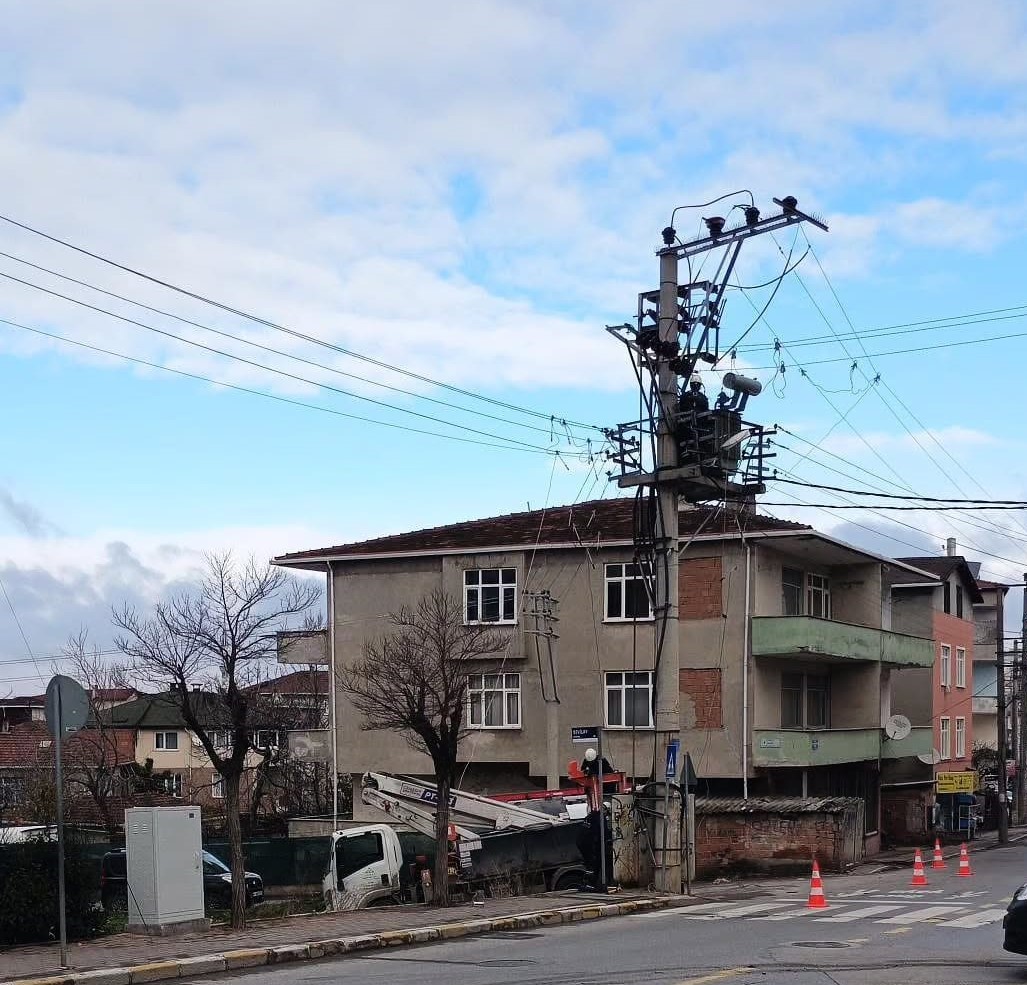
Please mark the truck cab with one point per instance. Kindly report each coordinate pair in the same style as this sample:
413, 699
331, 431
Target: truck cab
371, 864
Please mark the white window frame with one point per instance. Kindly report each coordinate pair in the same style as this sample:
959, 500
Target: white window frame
474, 588
945, 737
611, 685
945, 665
960, 737
173, 784
960, 666
217, 787
160, 740
821, 586
623, 578
501, 686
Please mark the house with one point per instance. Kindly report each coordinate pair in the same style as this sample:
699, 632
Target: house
787, 652
985, 666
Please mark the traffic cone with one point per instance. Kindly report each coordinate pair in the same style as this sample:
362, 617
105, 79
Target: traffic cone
964, 862
919, 876
939, 861
817, 900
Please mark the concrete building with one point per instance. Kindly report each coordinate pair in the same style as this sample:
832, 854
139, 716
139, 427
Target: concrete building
985, 665
788, 654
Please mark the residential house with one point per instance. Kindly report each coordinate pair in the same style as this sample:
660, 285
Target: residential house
787, 653
985, 666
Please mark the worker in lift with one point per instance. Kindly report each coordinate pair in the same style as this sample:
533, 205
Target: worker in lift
693, 426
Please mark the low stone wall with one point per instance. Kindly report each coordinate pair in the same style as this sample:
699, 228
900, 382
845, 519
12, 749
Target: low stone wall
780, 836
905, 815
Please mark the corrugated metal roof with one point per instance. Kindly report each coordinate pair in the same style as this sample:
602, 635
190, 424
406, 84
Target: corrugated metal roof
775, 805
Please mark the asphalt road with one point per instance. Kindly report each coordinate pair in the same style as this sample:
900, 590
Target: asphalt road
876, 929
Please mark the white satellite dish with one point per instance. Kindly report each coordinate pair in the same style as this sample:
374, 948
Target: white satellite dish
897, 727
931, 758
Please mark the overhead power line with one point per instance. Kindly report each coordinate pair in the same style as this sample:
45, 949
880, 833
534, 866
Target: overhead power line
888, 506
268, 323
925, 499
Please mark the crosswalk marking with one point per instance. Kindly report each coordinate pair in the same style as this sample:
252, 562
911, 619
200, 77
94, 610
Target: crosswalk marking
978, 919
916, 916
850, 915
751, 908
790, 914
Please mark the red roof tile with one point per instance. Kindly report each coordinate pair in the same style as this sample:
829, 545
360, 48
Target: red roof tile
295, 682
30, 744
597, 521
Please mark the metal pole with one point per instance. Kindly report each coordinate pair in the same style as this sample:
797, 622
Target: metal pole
1000, 660
59, 733
666, 822
602, 815
1022, 763
332, 697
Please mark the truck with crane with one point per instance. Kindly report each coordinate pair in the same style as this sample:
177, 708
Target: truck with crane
530, 841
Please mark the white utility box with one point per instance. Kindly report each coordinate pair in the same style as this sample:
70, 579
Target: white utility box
164, 852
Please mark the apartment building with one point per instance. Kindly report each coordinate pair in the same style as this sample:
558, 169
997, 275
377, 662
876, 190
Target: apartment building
787, 653
985, 664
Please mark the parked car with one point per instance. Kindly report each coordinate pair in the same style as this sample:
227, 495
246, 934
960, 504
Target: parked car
1014, 923
217, 882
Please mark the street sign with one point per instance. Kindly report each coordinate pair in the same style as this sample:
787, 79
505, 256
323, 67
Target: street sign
689, 781
584, 733
74, 705
671, 771
965, 782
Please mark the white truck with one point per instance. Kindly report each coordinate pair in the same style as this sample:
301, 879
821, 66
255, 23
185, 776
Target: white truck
493, 840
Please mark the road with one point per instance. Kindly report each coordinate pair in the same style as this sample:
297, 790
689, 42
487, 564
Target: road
876, 930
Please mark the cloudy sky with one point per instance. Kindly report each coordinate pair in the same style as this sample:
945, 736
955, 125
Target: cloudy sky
470, 192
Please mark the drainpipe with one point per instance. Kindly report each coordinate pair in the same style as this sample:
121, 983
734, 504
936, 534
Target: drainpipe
745, 670
332, 697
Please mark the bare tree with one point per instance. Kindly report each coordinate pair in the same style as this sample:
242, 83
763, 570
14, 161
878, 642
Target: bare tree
414, 681
209, 648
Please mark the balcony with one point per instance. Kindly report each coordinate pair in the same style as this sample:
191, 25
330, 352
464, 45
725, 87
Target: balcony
788, 636
983, 705
827, 747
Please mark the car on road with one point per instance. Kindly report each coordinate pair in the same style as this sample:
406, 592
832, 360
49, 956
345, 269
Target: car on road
217, 882
1014, 923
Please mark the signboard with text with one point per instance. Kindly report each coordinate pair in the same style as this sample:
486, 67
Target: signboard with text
964, 782
584, 733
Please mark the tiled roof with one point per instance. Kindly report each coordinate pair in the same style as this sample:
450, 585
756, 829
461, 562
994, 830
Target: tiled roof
943, 566
297, 682
25, 701
160, 710
589, 523
991, 586
774, 805
30, 744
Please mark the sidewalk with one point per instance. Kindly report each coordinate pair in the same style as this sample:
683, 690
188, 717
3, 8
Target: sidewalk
127, 959
984, 841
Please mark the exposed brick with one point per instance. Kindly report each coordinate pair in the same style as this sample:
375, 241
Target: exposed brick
701, 686
700, 588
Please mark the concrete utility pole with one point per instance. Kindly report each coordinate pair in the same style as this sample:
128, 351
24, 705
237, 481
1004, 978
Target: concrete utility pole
1021, 765
1000, 670
542, 612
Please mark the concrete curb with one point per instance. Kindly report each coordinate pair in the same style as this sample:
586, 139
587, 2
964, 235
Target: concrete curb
253, 957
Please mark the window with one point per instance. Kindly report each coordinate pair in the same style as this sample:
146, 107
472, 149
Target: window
947, 597
818, 596
945, 665
172, 784
168, 741
265, 739
12, 790
944, 739
629, 699
217, 787
960, 666
960, 738
805, 701
627, 594
495, 700
490, 595
959, 601
791, 592
356, 852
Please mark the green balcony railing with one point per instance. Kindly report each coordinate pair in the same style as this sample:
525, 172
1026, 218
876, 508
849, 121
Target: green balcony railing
806, 636
815, 747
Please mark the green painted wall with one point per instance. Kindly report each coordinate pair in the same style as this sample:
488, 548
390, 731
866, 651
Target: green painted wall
782, 635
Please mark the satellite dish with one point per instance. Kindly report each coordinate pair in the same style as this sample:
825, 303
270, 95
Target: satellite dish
897, 727
931, 758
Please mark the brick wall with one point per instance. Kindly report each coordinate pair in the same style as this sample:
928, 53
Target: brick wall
728, 843
700, 591
700, 689
904, 815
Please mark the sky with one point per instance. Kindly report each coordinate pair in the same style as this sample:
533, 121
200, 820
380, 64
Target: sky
471, 193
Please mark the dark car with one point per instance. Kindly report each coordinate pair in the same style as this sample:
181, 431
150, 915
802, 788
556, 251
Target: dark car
217, 882
1015, 923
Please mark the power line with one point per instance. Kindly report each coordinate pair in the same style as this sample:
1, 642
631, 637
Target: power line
928, 499
21, 629
519, 446
283, 328
886, 506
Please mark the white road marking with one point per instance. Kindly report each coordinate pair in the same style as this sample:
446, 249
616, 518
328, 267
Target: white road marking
916, 916
742, 911
793, 914
866, 911
978, 919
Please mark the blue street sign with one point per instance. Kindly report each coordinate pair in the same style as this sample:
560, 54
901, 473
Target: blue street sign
585, 733
672, 760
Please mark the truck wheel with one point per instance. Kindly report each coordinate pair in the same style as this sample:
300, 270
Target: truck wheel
569, 880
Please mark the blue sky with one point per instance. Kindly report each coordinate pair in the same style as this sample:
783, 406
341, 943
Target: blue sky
472, 192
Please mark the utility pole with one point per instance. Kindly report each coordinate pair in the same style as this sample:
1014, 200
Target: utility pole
1000, 661
719, 443
542, 612
1021, 764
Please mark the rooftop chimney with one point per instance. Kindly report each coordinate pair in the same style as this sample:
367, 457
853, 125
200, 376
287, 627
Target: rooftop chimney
950, 547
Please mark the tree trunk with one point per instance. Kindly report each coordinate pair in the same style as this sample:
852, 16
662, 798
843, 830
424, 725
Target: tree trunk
236, 861
441, 874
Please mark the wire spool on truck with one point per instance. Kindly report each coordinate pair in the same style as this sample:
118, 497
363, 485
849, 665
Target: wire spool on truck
491, 841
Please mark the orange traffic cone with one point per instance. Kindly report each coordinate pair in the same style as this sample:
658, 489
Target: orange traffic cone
817, 900
964, 862
919, 876
939, 861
